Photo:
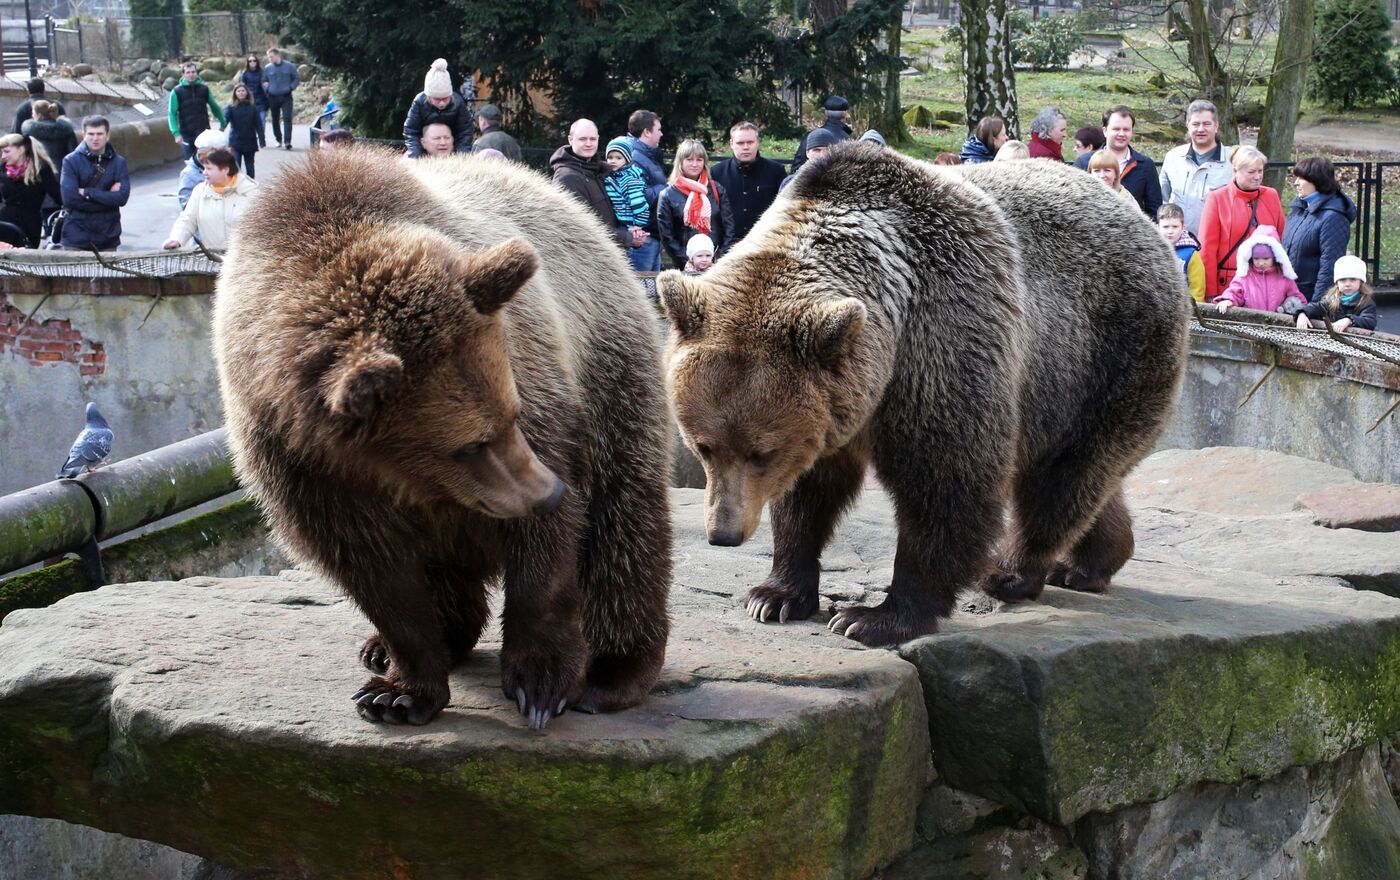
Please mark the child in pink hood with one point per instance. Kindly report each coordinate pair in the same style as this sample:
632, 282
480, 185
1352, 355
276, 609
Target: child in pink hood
1265, 277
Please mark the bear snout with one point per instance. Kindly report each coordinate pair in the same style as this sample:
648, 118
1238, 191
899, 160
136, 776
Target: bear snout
730, 536
556, 495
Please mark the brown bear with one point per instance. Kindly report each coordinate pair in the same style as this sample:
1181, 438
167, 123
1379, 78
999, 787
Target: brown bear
414, 367
1008, 335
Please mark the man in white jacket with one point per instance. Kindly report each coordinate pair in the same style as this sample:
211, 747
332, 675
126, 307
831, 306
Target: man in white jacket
215, 205
1192, 170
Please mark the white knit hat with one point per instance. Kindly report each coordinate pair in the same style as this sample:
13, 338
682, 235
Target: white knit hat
438, 82
1349, 267
699, 243
209, 139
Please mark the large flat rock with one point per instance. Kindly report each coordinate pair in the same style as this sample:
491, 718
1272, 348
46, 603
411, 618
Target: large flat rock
213, 715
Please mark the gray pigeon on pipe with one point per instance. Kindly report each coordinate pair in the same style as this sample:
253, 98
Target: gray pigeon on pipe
92, 447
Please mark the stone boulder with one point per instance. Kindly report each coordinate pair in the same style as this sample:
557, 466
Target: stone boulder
1370, 507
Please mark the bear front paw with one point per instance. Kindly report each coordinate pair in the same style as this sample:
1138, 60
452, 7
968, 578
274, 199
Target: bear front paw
394, 702
542, 685
881, 626
374, 656
773, 600
1014, 586
1071, 578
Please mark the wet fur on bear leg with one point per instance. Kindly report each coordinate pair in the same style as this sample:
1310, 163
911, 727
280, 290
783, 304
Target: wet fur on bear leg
1103, 550
462, 610
804, 519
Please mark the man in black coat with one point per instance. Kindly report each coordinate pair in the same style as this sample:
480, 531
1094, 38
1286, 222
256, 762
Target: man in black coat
837, 108
578, 168
750, 181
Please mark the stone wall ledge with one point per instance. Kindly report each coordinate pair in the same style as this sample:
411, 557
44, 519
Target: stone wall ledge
213, 716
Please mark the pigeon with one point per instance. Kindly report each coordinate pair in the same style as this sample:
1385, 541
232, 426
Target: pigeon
92, 447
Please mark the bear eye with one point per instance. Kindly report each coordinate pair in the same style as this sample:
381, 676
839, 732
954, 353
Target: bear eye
703, 450
466, 452
760, 459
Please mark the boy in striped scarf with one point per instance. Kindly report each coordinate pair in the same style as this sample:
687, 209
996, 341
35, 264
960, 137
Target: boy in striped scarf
626, 186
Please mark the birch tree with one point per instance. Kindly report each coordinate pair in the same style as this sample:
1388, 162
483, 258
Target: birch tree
989, 77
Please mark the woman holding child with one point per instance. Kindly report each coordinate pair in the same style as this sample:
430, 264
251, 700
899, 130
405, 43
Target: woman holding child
692, 205
1232, 213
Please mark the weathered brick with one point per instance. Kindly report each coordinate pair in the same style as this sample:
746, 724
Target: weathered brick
48, 356
90, 370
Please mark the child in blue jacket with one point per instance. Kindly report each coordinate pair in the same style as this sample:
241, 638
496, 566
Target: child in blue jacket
626, 186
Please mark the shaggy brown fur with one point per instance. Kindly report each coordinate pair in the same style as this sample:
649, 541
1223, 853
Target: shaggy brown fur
1006, 335
409, 368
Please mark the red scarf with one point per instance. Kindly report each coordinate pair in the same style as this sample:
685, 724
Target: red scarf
16, 172
697, 203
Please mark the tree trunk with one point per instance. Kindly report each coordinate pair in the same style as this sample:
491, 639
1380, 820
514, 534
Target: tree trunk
1198, 27
990, 79
1285, 95
889, 120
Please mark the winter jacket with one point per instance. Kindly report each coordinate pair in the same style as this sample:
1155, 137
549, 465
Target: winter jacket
495, 139
627, 190
1318, 231
25, 111
1139, 177
670, 222
56, 135
1254, 289
751, 189
583, 178
1363, 316
455, 116
254, 80
22, 203
974, 152
840, 129
1188, 257
1229, 216
189, 108
1186, 184
1044, 148
648, 159
94, 217
191, 176
212, 215
281, 78
243, 124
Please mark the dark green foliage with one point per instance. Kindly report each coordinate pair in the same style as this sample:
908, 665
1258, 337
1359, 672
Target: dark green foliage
1047, 42
700, 64
1352, 63
156, 28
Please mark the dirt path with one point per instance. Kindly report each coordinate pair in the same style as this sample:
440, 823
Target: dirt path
1369, 137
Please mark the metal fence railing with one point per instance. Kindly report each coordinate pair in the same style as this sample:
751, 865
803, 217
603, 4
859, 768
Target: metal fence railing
110, 41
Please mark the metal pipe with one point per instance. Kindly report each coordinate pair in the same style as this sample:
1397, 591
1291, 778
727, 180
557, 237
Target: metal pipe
44, 522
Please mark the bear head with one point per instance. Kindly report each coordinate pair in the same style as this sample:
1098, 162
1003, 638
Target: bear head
763, 383
409, 359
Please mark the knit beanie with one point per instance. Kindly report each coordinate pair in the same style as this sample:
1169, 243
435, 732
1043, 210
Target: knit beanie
438, 82
699, 244
873, 135
821, 137
1260, 251
621, 145
1350, 266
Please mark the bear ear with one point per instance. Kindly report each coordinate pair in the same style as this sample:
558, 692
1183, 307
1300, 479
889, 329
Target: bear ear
826, 332
359, 384
684, 301
491, 277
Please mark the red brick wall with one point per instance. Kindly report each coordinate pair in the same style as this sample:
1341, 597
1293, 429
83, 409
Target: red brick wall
51, 342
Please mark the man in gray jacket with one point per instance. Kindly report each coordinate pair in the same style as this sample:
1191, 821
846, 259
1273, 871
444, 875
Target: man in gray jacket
280, 79
1192, 170
488, 119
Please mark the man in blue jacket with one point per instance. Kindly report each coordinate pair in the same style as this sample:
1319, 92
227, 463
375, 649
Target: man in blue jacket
280, 79
1136, 172
95, 186
644, 128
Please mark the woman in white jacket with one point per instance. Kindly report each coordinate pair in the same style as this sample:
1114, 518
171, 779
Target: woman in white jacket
215, 205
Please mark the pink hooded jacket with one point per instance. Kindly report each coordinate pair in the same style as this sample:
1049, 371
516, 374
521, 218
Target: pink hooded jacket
1264, 291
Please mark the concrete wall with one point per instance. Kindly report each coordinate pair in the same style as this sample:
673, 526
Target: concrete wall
155, 382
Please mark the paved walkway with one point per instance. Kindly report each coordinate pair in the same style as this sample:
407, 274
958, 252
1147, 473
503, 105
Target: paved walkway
148, 216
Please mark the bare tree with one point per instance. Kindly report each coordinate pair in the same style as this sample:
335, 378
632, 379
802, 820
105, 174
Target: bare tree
988, 74
1290, 73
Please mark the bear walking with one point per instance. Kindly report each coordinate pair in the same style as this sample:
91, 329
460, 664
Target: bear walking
443, 375
1007, 335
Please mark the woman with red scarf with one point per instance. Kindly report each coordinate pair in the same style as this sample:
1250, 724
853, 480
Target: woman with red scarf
693, 204
29, 177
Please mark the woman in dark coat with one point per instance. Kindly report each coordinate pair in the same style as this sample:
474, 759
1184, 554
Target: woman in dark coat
28, 177
693, 204
243, 126
252, 77
55, 132
1319, 226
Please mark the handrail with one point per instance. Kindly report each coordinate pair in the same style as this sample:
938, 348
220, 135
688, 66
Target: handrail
67, 516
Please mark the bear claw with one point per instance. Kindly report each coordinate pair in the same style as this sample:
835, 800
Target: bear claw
767, 603
877, 627
382, 700
374, 656
1013, 586
1070, 578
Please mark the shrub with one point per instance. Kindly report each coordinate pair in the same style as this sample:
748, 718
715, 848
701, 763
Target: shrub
1047, 43
1352, 64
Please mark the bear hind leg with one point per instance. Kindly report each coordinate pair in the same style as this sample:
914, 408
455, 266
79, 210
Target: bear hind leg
803, 521
1104, 549
412, 688
463, 610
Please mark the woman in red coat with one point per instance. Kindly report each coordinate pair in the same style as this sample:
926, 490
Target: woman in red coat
1231, 214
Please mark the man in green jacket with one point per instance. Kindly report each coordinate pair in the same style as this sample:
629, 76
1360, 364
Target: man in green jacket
191, 102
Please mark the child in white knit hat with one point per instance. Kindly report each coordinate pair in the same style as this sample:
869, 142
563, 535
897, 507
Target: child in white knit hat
1347, 303
438, 103
699, 253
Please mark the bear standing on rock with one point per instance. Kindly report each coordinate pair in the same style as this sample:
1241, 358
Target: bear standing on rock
1009, 335
443, 374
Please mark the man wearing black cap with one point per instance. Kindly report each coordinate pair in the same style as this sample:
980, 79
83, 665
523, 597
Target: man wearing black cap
817, 141
836, 108
488, 119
